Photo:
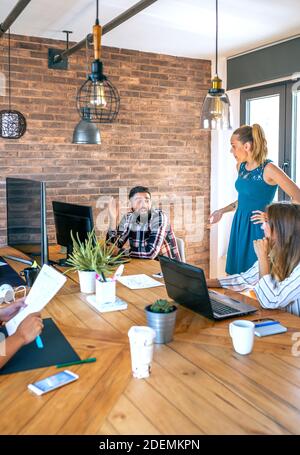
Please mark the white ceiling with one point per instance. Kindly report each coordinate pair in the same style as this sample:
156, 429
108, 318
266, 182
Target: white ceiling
175, 27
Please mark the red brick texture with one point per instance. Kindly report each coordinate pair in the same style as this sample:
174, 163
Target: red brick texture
156, 140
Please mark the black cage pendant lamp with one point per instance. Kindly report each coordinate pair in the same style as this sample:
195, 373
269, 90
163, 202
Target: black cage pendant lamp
12, 123
98, 95
216, 107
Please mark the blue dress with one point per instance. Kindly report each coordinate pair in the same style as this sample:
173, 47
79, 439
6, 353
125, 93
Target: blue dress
253, 194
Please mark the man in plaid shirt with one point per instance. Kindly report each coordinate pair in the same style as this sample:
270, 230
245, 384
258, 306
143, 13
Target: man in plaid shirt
147, 230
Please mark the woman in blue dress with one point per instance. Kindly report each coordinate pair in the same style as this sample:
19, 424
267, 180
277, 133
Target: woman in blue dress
257, 182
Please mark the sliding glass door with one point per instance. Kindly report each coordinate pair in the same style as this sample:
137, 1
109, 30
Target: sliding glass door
276, 108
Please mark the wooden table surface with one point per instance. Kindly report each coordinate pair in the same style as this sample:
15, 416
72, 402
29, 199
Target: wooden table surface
198, 384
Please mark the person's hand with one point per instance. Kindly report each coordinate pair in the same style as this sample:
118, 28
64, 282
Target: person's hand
10, 310
258, 217
261, 248
215, 216
30, 328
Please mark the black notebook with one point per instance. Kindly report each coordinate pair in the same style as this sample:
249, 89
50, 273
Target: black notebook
56, 350
9, 276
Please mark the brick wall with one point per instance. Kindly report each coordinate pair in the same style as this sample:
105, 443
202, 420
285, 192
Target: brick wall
156, 140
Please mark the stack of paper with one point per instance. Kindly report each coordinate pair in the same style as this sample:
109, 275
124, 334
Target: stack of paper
140, 281
47, 284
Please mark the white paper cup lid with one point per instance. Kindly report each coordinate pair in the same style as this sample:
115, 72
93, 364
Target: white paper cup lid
142, 333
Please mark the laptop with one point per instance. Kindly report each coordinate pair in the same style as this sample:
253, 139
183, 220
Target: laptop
186, 285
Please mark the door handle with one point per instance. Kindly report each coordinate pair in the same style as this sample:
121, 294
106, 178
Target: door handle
285, 165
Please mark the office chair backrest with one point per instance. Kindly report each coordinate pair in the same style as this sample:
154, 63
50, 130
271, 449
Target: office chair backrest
181, 249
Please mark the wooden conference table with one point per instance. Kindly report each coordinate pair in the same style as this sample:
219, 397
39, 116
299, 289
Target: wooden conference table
198, 385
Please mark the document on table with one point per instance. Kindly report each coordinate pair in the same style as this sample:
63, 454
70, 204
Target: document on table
46, 285
139, 281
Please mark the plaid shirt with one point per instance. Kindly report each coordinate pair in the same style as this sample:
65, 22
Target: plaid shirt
148, 235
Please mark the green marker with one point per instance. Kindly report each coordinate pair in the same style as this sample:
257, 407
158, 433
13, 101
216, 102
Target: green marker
78, 362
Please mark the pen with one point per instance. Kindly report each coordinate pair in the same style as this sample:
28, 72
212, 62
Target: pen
263, 324
39, 342
77, 362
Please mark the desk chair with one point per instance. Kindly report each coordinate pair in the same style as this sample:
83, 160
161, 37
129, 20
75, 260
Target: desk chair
181, 249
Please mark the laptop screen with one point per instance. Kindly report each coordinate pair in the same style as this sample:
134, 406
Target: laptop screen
186, 285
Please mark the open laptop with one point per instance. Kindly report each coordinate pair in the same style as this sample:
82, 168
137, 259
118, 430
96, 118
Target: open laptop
186, 285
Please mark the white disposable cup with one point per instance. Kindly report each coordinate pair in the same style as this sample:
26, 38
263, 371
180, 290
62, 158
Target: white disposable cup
242, 334
105, 291
141, 349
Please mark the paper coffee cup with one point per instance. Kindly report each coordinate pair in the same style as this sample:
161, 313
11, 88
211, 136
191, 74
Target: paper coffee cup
141, 349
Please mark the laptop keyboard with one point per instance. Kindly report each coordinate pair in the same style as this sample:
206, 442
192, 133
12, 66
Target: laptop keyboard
220, 308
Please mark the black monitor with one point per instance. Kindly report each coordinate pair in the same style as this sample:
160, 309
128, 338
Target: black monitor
26, 217
71, 217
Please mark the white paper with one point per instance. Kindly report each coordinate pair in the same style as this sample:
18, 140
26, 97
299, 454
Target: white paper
46, 285
118, 305
139, 281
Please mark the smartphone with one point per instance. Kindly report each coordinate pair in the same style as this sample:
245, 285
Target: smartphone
52, 382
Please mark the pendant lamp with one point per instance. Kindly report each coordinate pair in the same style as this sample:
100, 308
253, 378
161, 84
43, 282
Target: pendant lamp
216, 107
97, 93
12, 123
86, 132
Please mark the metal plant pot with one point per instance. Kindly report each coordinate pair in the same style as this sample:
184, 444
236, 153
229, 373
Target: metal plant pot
162, 323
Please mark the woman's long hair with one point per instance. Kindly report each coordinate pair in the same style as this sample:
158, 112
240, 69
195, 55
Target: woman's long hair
284, 221
256, 136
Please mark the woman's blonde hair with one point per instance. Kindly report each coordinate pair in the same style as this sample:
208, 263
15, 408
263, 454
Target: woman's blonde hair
284, 254
256, 136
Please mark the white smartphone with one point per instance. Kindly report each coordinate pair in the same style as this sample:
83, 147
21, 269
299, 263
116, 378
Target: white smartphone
52, 382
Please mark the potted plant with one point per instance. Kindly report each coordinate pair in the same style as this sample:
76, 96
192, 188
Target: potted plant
161, 316
107, 261
92, 257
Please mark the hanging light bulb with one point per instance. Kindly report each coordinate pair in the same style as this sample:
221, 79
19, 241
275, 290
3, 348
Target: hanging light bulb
216, 107
97, 93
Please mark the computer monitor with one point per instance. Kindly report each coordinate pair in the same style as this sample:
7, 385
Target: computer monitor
26, 217
71, 217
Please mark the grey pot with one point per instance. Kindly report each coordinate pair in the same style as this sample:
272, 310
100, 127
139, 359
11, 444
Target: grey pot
162, 323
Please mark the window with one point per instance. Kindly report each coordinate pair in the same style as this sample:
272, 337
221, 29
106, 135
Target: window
276, 107
296, 135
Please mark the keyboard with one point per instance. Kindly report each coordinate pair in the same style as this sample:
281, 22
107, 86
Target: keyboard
222, 309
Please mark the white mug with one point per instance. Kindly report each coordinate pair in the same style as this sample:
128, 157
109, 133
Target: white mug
242, 334
7, 293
